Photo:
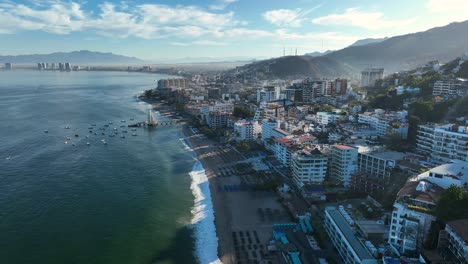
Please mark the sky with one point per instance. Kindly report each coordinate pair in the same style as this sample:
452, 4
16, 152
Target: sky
171, 29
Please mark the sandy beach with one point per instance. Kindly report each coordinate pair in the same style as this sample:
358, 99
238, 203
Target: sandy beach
242, 232
204, 150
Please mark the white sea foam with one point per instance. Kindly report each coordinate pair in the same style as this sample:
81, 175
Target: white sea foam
206, 241
186, 146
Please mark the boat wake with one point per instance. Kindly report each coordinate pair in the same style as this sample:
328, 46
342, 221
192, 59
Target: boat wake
206, 241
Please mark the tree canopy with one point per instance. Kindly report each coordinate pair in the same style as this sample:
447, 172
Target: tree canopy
242, 112
453, 204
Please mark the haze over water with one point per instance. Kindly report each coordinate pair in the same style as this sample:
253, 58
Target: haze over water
125, 202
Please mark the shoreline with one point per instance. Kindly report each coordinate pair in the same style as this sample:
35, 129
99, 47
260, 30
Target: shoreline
206, 153
202, 147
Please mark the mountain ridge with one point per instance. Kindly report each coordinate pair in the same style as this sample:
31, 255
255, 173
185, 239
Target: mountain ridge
81, 56
394, 54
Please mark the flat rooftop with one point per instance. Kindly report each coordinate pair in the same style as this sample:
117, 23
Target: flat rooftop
371, 227
357, 246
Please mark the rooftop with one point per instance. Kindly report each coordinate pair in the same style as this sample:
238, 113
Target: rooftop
357, 246
389, 155
431, 195
342, 146
458, 170
283, 140
460, 227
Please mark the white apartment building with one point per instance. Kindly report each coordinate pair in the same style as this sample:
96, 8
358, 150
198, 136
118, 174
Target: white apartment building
350, 248
457, 236
268, 126
343, 163
308, 167
385, 123
268, 94
411, 218
282, 150
451, 87
325, 118
218, 120
246, 130
443, 143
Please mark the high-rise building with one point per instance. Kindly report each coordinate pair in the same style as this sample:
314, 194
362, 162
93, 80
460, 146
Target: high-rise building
343, 163
450, 88
308, 167
370, 75
312, 89
443, 143
340, 86
8, 66
68, 66
246, 130
268, 125
268, 94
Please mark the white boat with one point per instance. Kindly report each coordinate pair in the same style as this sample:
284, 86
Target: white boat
87, 143
134, 134
46, 131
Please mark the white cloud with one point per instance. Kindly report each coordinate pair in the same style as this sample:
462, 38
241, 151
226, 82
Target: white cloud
283, 17
221, 4
199, 42
287, 17
358, 18
147, 21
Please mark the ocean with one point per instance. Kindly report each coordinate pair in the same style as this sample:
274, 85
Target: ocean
140, 199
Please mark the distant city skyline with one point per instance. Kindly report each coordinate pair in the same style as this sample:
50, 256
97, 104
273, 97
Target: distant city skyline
158, 30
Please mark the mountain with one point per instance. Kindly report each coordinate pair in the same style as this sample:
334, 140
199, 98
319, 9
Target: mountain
318, 53
394, 54
408, 51
82, 56
290, 67
366, 41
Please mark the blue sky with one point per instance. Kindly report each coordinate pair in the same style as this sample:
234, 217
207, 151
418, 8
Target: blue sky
163, 29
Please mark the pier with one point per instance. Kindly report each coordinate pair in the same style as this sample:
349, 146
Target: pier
157, 123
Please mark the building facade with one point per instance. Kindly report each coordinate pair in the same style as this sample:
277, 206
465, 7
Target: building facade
308, 167
386, 123
457, 236
411, 216
443, 143
370, 75
343, 163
